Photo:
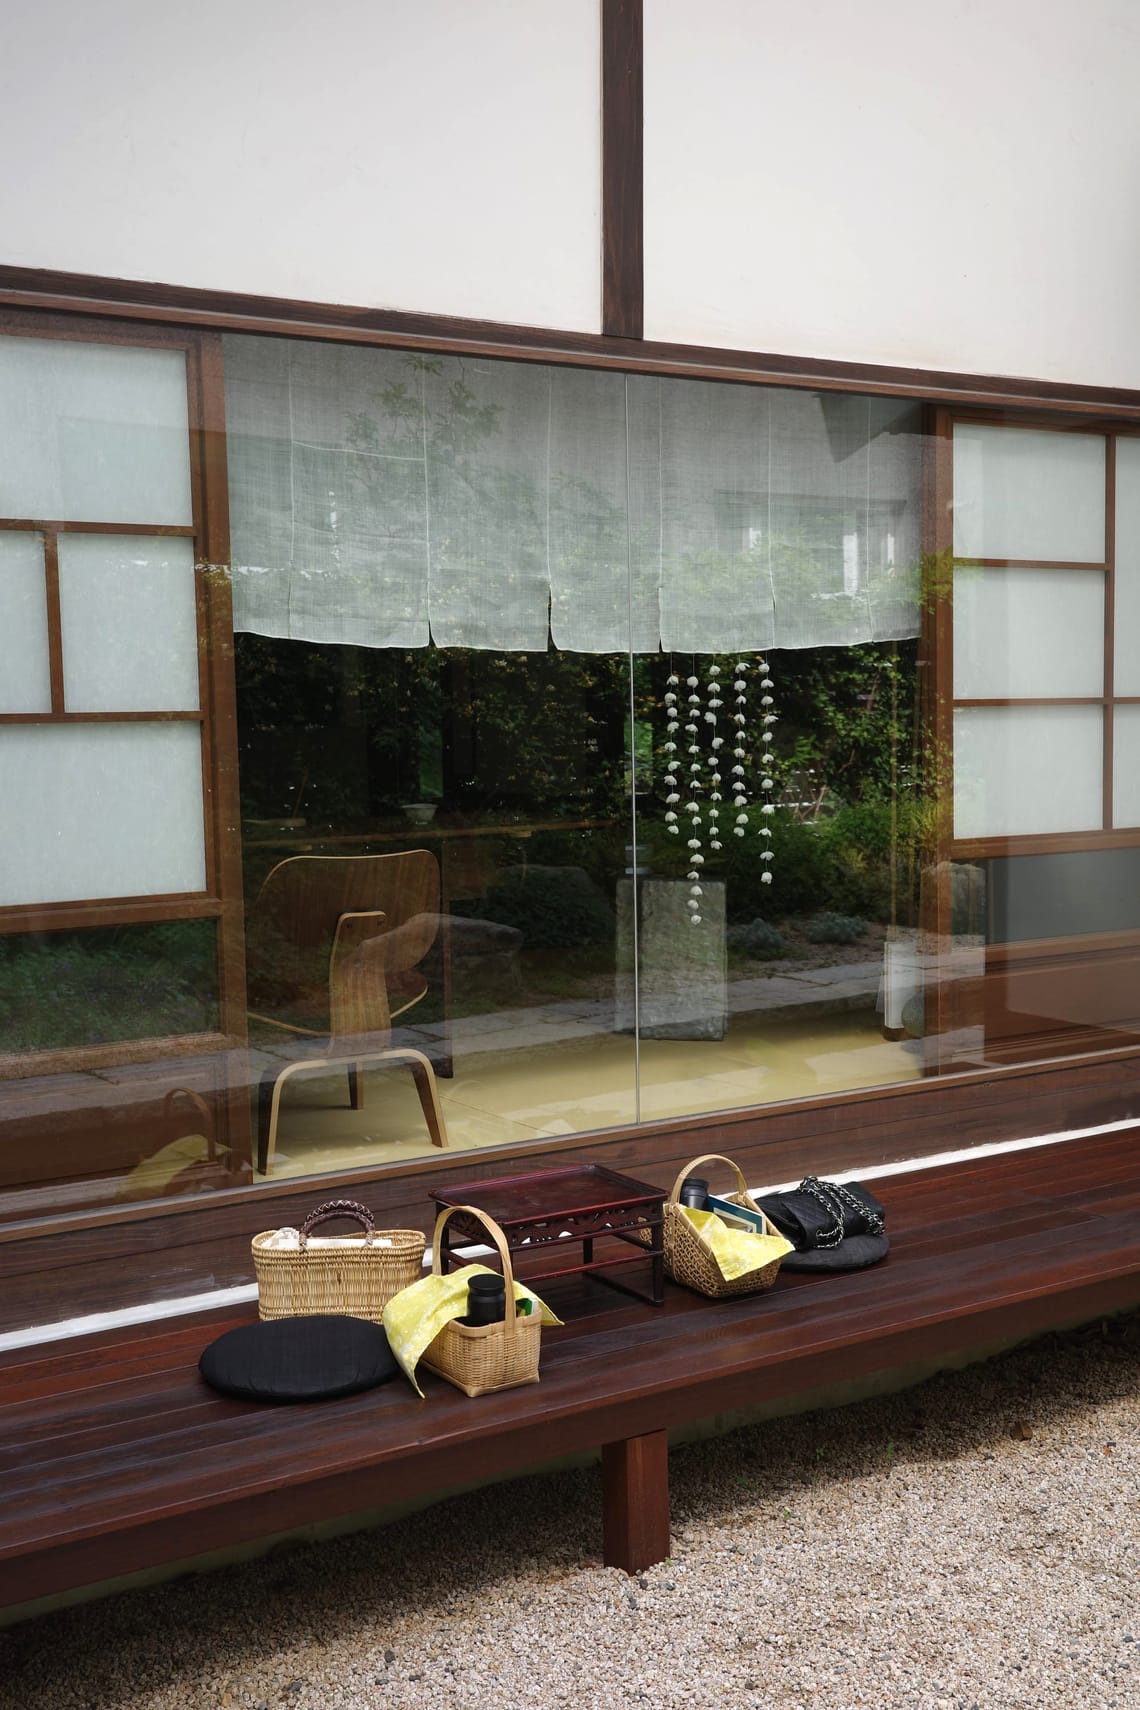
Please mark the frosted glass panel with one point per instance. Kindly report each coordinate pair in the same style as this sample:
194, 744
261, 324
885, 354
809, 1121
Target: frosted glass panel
130, 638
1126, 766
1126, 663
102, 810
1020, 770
1027, 632
25, 678
1022, 493
93, 432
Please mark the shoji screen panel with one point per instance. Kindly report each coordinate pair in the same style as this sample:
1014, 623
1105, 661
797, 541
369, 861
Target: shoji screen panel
102, 717
1032, 628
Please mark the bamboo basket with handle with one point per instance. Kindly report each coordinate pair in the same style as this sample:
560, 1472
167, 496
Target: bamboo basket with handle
355, 1278
484, 1357
688, 1257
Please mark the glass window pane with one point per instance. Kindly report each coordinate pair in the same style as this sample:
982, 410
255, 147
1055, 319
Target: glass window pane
1126, 766
101, 810
130, 638
93, 432
764, 938
1027, 632
1025, 493
1056, 896
1126, 662
1023, 770
475, 804
25, 675
92, 987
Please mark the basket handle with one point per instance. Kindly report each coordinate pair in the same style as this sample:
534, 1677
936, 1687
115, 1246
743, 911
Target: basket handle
203, 1111
334, 1208
497, 1237
709, 1158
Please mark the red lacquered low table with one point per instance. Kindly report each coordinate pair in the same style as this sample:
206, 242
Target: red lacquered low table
548, 1208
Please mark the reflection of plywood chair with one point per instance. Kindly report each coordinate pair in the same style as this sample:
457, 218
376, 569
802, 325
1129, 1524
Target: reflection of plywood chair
335, 945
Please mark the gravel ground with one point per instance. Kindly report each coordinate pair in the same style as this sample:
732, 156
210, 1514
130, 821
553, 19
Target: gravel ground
972, 1542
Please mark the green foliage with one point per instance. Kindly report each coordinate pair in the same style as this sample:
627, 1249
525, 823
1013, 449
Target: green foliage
555, 908
848, 864
756, 938
848, 727
835, 929
101, 985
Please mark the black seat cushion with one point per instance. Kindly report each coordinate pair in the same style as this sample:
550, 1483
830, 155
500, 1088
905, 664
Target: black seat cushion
299, 1359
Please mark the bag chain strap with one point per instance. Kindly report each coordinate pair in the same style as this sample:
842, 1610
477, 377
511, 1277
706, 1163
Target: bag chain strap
833, 1197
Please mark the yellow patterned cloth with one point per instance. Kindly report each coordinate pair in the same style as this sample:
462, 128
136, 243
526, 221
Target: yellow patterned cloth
414, 1317
737, 1251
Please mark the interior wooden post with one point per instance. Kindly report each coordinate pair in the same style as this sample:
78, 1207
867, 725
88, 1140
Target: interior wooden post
635, 1501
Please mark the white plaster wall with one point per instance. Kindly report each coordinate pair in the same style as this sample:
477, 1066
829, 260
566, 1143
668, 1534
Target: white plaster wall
947, 185
440, 155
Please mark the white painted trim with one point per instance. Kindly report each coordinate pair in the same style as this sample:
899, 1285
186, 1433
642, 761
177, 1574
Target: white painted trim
243, 1292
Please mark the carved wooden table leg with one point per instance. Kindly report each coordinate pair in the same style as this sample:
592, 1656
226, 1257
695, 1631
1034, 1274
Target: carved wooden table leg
635, 1501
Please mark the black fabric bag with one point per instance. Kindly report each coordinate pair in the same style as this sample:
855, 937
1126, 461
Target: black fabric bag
299, 1359
833, 1226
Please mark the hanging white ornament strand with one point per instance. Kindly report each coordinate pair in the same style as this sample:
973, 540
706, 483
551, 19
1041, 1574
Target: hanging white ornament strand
672, 726
767, 783
693, 806
716, 743
739, 751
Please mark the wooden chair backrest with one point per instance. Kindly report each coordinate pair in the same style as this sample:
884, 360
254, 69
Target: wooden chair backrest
302, 899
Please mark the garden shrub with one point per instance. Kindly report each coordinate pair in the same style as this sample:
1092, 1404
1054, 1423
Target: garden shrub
555, 908
835, 929
757, 938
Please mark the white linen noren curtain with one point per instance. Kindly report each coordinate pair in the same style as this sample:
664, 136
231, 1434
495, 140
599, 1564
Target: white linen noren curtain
387, 499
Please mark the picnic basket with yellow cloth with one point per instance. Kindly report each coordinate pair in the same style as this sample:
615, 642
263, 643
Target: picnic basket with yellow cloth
704, 1253
483, 1357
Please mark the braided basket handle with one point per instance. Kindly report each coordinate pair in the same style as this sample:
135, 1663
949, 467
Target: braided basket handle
497, 1237
334, 1208
710, 1158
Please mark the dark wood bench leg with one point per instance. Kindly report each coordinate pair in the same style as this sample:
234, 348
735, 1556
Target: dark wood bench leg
635, 1501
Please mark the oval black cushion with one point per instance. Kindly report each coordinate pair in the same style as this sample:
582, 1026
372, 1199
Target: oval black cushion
299, 1359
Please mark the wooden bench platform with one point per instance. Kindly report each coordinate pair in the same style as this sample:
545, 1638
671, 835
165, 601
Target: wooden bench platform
115, 1457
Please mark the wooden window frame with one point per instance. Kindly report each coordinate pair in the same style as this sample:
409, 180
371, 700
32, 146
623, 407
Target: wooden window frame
939, 636
221, 897
773, 1141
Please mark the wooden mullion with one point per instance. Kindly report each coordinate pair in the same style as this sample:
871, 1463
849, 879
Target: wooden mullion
66, 717
58, 526
1029, 564
937, 644
1030, 701
54, 620
1042, 843
108, 911
219, 702
1109, 624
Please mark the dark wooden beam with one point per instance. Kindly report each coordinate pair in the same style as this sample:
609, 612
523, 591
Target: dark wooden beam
91, 303
635, 1501
623, 270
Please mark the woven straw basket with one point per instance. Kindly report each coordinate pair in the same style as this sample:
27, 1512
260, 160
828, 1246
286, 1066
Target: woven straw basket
356, 1280
688, 1257
484, 1357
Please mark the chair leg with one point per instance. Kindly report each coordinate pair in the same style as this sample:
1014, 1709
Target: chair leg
269, 1097
356, 1085
424, 1076
268, 1118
